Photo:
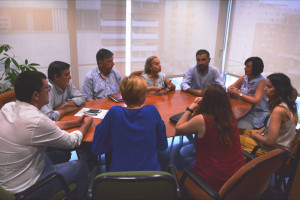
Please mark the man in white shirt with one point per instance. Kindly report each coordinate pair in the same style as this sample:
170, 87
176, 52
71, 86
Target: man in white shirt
25, 134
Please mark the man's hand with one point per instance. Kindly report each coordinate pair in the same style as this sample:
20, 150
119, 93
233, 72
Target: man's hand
88, 120
198, 93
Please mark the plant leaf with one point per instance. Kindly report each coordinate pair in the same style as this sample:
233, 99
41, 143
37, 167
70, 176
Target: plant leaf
1, 48
15, 62
26, 62
34, 64
7, 65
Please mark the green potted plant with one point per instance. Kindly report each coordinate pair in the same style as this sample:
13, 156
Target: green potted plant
13, 65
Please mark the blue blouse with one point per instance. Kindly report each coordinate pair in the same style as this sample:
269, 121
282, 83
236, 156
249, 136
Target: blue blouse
160, 82
259, 112
133, 136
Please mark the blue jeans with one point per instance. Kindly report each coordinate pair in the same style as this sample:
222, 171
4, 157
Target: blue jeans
73, 172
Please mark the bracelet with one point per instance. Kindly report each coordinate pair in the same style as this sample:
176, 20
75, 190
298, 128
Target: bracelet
188, 109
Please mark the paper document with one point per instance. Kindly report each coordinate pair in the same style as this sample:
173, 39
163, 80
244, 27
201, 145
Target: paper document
96, 113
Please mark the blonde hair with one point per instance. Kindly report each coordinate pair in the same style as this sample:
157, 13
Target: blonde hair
148, 64
133, 90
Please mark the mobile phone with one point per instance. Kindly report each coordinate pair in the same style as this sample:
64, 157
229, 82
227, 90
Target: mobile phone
93, 111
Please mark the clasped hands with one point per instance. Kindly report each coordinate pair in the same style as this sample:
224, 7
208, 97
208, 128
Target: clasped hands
233, 91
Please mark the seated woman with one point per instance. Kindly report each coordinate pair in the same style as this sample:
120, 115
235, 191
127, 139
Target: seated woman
132, 134
218, 149
281, 127
155, 79
250, 88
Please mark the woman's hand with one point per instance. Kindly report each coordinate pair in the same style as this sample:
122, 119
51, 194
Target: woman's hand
197, 99
233, 90
154, 88
195, 103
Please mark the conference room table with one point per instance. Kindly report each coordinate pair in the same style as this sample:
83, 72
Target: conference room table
168, 104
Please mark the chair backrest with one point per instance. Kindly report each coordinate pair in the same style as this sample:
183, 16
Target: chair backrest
293, 184
135, 185
4, 195
136, 73
252, 180
7, 97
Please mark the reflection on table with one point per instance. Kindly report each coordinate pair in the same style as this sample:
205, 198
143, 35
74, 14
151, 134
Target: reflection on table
169, 104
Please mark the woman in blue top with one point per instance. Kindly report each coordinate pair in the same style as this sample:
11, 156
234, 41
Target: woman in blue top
155, 79
250, 88
132, 134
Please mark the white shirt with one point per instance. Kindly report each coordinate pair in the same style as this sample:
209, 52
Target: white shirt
25, 133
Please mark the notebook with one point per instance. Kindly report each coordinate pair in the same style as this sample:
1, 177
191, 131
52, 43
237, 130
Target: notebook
176, 117
116, 97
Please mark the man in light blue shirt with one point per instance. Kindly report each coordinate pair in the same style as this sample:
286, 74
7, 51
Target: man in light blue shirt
63, 97
102, 80
199, 76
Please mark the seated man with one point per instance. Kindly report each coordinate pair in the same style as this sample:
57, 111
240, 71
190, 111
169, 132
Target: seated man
199, 76
63, 96
102, 80
26, 133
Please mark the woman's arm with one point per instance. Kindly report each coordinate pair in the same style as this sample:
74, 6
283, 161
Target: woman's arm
169, 84
271, 137
259, 93
195, 125
237, 84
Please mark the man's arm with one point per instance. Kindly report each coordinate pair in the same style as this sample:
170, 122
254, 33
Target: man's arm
87, 88
198, 93
71, 123
75, 96
187, 80
87, 122
218, 78
48, 109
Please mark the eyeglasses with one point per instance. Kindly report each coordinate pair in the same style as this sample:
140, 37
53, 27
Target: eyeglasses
48, 87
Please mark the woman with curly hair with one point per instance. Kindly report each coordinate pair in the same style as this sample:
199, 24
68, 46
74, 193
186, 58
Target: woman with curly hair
218, 149
281, 126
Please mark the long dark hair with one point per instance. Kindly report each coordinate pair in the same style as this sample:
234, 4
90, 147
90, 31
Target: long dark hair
282, 84
216, 104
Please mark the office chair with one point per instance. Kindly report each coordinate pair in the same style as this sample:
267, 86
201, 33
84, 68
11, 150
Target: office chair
133, 185
288, 170
62, 194
249, 182
136, 73
7, 97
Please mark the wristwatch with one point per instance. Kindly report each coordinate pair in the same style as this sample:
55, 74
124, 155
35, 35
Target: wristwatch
241, 94
188, 109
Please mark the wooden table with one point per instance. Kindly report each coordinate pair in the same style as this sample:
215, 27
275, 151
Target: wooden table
170, 104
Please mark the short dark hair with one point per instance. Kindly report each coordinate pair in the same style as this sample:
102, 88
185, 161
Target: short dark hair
257, 65
102, 54
28, 82
57, 67
203, 51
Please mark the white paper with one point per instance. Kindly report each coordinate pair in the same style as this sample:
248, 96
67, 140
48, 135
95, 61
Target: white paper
100, 115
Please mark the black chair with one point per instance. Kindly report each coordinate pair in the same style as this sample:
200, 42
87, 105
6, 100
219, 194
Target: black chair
62, 194
133, 185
